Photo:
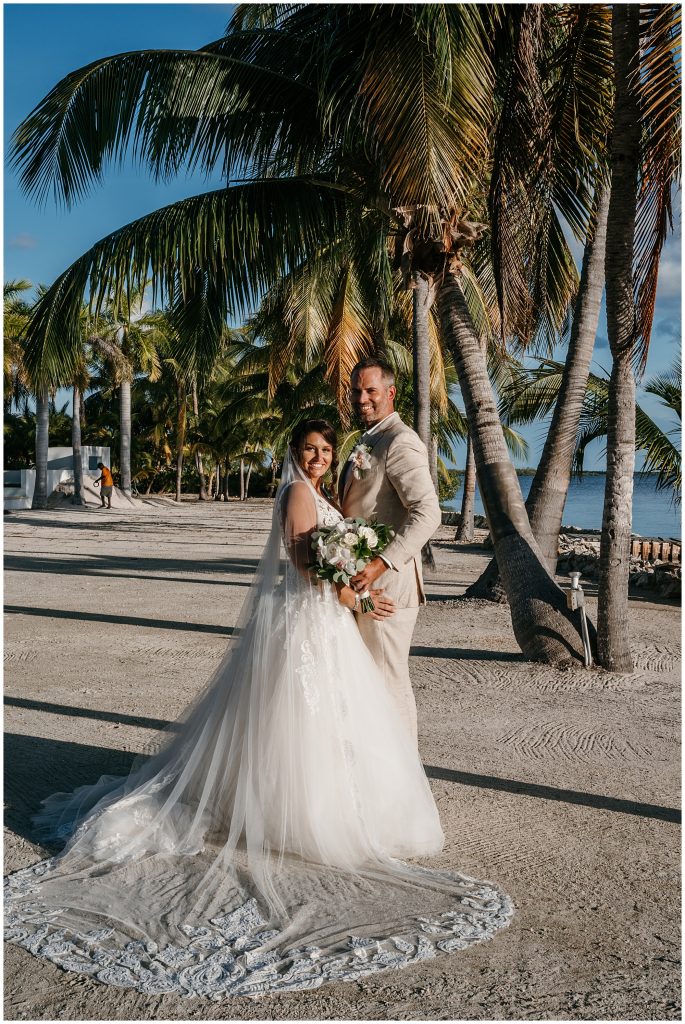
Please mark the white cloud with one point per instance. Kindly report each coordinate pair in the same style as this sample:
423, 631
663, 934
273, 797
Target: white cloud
23, 241
670, 280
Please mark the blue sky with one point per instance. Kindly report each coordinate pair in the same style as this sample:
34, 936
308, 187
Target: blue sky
43, 42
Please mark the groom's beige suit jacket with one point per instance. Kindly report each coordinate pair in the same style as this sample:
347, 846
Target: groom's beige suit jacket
396, 490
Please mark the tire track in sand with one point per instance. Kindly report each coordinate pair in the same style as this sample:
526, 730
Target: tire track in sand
544, 739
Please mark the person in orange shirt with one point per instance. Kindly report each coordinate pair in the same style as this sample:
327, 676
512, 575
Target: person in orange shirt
107, 485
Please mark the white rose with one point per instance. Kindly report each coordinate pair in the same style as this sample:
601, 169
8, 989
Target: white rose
350, 568
333, 553
350, 539
369, 535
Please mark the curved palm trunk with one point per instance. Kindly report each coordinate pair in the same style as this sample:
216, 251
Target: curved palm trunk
543, 626
125, 436
549, 487
78, 498
40, 491
465, 530
614, 553
180, 437
224, 485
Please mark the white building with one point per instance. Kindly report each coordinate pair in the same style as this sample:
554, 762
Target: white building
19, 484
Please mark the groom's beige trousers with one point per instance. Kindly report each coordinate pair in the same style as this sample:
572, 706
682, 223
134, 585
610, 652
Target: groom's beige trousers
389, 642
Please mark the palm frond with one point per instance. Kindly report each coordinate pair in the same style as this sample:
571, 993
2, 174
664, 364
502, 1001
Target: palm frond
11, 290
423, 107
167, 108
659, 89
349, 339
668, 388
242, 237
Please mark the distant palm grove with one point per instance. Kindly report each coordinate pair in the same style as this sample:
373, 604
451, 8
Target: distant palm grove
404, 180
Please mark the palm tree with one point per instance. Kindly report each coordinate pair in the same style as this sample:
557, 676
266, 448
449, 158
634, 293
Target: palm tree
549, 487
129, 344
645, 159
16, 315
614, 642
425, 126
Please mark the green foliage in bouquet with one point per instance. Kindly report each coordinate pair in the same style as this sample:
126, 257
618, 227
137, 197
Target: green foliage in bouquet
346, 549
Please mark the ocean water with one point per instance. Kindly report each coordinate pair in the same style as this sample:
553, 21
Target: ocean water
654, 514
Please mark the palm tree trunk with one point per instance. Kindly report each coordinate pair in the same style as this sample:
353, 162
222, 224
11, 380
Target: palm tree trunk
433, 453
40, 491
422, 300
242, 477
180, 436
76, 446
274, 475
544, 627
614, 553
199, 465
125, 439
549, 488
423, 295
465, 530
247, 480
217, 493
201, 475
224, 487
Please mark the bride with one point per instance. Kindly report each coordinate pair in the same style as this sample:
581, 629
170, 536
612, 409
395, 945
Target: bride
262, 847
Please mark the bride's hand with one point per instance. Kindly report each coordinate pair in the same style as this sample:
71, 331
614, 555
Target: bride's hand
384, 607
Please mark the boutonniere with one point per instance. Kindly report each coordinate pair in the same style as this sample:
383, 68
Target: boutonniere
360, 457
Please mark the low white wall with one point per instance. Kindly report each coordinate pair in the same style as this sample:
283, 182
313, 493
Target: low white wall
60, 467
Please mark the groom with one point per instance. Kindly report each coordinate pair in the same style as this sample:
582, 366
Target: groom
395, 488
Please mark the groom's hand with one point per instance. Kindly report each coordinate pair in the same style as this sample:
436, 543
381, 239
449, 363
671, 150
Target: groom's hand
384, 606
363, 580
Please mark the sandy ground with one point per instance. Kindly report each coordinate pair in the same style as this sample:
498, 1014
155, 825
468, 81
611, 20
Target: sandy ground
558, 785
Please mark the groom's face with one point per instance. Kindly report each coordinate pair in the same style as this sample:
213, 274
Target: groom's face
372, 397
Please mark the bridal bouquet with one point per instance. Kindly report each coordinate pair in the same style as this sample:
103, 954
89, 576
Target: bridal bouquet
345, 549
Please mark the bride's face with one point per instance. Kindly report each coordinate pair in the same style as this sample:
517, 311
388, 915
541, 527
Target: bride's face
315, 456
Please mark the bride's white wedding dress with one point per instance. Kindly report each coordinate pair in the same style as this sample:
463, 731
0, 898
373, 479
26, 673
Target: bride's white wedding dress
259, 849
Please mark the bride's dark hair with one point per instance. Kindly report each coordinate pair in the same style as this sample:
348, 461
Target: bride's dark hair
327, 431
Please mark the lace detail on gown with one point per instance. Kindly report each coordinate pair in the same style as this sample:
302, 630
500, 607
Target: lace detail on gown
326, 514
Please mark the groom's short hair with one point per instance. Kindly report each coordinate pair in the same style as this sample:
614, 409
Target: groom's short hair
373, 361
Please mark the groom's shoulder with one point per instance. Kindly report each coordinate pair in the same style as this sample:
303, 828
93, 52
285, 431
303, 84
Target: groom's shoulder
403, 436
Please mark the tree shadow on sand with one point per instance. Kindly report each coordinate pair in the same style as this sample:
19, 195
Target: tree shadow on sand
36, 767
